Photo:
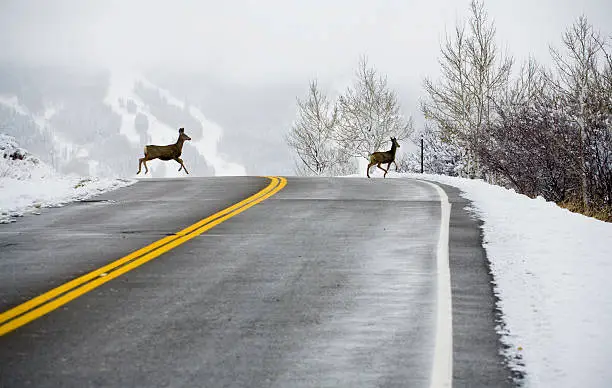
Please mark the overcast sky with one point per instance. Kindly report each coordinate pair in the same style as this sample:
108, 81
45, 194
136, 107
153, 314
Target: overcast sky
277, 40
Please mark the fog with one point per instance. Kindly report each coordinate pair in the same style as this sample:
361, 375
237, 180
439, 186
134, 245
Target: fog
272, 41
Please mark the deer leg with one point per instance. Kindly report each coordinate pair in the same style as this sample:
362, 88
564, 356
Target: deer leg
378, 165
388, 167
368, 169
142, 161
180, 161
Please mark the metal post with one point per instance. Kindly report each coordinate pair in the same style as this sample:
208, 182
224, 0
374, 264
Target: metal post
421, 155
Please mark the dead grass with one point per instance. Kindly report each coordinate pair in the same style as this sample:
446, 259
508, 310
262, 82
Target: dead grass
603, 213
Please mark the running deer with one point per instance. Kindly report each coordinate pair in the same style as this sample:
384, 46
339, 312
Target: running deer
168, 152
379, 158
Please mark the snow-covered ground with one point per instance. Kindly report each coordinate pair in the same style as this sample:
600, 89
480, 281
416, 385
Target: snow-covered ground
27, 184
553, 277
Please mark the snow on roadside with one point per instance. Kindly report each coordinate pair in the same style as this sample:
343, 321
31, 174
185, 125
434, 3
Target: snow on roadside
27, 184
553, 276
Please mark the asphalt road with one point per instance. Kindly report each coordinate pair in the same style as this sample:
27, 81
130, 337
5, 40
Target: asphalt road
328, 283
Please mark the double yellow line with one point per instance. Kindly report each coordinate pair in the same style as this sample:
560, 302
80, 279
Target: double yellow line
59, 296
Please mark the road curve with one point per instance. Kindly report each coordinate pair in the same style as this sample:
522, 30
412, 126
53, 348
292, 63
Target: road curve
330, 282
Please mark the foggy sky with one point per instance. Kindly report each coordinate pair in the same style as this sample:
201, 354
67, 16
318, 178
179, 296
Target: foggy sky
272, 41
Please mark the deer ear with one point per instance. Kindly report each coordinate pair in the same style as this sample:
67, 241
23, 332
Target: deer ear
181, 130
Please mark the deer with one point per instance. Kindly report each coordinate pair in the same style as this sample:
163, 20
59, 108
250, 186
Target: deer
167, 152
382, 157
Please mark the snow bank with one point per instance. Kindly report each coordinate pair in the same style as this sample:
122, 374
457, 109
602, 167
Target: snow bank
27, 184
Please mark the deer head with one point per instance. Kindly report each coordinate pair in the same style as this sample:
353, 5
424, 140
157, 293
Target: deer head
182, 135
394, 142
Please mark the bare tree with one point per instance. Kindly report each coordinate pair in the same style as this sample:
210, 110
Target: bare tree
553, 133
529, 146
548, 133
312, 136
583, 80
473, 74
369, 114
328, 139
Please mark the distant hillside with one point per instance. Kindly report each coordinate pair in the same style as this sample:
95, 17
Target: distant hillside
96, 123
255, 117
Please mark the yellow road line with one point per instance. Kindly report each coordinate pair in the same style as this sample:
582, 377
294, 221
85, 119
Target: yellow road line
51, 300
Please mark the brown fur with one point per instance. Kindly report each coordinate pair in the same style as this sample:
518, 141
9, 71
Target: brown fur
167, 152
382, 157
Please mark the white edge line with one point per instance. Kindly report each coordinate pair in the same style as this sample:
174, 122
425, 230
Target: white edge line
442, 368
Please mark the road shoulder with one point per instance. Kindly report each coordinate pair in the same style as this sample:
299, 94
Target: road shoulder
477, 361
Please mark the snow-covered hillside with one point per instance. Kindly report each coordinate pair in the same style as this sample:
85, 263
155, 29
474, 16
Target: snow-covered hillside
27, 184
127, 95
97, 124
